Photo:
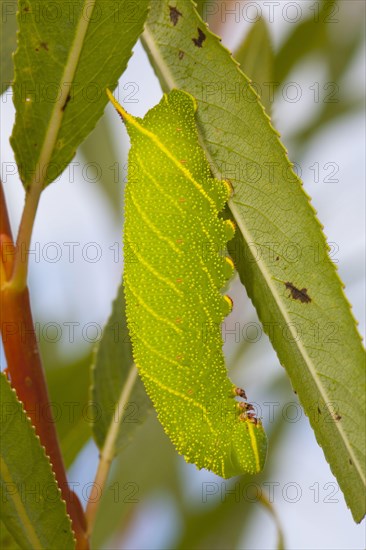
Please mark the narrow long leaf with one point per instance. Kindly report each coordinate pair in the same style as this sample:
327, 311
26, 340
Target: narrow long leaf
68, 383
117, 414
99, 150
147, 467
308, 36
32, 508
256, 58
281, 254
62, 68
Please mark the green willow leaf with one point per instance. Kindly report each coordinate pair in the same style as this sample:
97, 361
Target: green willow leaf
256, 58
68, 384
172, 281
68, 53
117, 394
31, 504
279, 249
142, 470
308, 36
99, 149
336, 47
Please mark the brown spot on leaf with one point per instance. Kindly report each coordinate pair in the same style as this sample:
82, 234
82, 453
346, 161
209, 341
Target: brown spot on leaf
337, 417
181, 54
297, 294
201, 38
174, 15
277, 258
319, 411
43, 45
350, 461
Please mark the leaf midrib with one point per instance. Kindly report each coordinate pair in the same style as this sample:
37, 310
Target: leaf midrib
170, 82
109, 445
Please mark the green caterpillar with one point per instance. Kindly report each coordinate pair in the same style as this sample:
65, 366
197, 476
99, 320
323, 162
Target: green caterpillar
172, 278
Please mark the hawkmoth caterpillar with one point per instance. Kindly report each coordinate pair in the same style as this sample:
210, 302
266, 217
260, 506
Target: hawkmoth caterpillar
172, 282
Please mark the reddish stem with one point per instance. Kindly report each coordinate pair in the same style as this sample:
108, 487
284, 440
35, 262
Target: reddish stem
26, 374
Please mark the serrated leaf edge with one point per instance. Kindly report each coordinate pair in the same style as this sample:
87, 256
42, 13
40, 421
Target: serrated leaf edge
47, 457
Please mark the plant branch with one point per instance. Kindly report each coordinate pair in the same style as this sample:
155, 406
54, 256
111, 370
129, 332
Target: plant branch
108, 452
25, 370
20, 270
271, 509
